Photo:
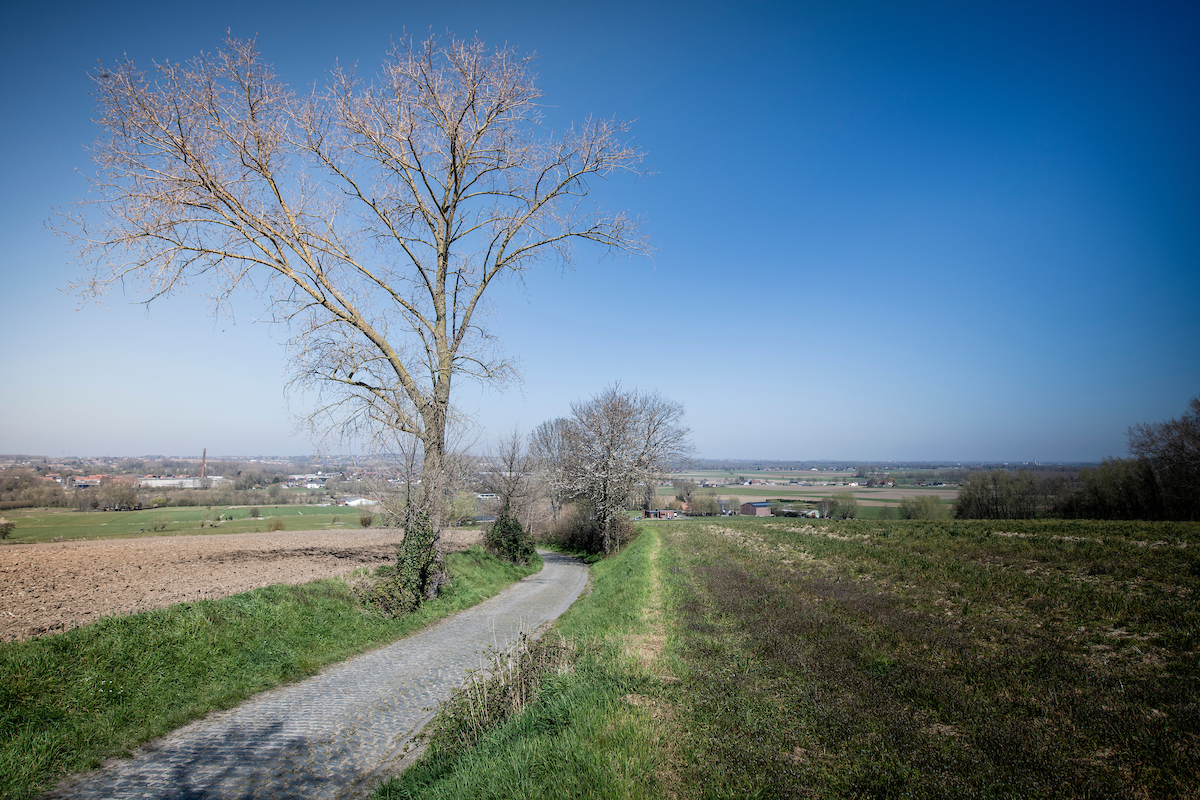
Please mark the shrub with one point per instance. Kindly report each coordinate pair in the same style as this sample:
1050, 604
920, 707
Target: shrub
579, 530
160, 522
276, 524
842, 506
365, 519
255, 512
6, 528
509, 540
923, 506
334, 520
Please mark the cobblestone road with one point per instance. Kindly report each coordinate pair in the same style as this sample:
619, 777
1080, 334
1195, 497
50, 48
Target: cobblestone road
333, 734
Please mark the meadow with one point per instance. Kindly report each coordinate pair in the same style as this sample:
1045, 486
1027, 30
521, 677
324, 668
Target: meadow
49, 525
936, 659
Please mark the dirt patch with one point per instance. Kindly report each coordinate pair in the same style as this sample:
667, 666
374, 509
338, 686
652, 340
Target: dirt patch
57, 586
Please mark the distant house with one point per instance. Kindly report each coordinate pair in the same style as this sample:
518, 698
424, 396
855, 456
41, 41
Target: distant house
661, 513
759, 509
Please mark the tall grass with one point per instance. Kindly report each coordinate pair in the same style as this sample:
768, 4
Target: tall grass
591, 726
937, 659
69, 700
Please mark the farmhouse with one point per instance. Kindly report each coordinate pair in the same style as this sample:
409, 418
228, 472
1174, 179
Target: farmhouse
759, 509
661, 513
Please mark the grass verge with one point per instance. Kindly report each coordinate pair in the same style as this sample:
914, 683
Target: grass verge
69, 700
594, 727
936, 659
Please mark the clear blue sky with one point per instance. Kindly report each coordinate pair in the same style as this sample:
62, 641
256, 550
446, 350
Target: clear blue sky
905, 230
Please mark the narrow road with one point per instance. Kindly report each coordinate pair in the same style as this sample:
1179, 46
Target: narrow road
332, 735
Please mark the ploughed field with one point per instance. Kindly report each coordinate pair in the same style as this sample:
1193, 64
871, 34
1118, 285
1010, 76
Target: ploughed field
56, 586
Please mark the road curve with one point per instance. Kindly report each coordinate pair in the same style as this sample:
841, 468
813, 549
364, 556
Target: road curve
330, 736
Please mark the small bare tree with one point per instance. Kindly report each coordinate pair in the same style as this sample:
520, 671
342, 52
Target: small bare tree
371, 217
548, 449
616, 441
509, 474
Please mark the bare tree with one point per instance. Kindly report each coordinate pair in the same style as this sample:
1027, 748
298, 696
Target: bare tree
371, 217
617, 440
548, 449
509, 474
1173, 450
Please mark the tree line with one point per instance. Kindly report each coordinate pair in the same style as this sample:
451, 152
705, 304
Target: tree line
1160, 480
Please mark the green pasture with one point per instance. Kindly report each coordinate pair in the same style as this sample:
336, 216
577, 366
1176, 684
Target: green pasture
48, 525
984, 659
863, 494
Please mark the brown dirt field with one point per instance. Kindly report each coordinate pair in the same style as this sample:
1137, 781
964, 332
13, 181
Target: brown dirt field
56, 586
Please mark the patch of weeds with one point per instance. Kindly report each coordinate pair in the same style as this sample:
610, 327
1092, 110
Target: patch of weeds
496, 694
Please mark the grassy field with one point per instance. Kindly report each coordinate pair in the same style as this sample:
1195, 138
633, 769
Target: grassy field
738, 657
47, 525
877, 496
948, 659
69, 700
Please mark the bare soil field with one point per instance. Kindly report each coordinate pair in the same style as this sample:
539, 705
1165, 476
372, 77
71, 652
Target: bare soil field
56, 586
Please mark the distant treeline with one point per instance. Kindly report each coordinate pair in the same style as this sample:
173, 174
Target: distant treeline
1160, 481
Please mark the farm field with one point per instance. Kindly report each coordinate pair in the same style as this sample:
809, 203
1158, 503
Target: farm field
57, 586
48, 525
881, 496
933, 659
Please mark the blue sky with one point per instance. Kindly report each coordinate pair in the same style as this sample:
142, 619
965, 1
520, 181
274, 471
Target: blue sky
883, 231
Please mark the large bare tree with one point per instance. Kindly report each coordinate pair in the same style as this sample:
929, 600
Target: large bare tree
372, 217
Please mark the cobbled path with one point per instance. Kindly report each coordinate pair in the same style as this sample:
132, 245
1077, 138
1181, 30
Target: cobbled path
332, 735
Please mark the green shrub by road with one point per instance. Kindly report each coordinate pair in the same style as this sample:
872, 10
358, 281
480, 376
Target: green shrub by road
69, 700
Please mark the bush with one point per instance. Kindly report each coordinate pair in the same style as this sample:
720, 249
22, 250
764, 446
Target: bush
508, 540
923, 506
580, 531
6, 528
276, 524
842, 506
160, 522
255, 512
365, 519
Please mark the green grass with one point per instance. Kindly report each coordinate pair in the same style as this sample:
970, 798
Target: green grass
69, 700
47, 525
935, 659
594, 729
